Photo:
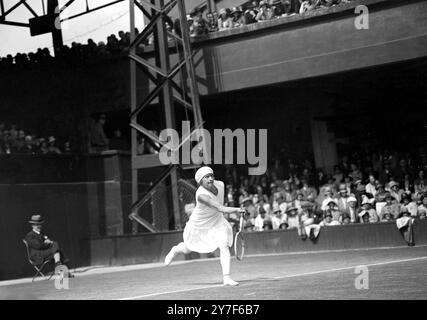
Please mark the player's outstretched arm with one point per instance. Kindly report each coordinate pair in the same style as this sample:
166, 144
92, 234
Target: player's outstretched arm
215, 205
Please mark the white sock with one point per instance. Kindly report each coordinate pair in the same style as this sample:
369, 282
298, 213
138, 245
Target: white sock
224, 258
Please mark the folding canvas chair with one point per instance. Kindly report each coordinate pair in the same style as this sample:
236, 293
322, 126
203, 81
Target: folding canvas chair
39, 268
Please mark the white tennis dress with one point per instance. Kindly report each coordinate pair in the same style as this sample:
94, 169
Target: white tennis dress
207, 229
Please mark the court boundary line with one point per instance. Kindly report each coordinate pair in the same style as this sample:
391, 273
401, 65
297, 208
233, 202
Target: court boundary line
279, 278
96, 270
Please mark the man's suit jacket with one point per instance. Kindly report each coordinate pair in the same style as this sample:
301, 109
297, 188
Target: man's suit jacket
36, 245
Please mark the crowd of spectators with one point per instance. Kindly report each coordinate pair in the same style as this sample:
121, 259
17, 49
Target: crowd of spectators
251, 12
363, 188
118, 45
14, 140
113, 47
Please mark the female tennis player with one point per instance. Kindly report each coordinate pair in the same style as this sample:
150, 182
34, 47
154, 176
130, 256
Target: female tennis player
207, 229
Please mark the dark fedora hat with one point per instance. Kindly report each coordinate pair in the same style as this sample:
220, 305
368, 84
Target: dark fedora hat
196, 10
36, 219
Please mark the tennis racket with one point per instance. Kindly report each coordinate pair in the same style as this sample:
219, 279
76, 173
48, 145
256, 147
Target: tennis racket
239, 240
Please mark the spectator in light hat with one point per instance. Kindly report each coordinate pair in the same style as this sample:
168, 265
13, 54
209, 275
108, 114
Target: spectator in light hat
292, 217
333, 209
390, 207
364, 216
328, 196
28, 145
277, 220
342, 198
352, 208
369, 210
52, 147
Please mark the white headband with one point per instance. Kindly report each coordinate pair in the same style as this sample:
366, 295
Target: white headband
203, 171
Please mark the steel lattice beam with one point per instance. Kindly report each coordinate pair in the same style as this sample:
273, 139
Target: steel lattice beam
161, 74
4, 13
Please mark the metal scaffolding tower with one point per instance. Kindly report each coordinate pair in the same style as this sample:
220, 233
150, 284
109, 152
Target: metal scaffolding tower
166, 89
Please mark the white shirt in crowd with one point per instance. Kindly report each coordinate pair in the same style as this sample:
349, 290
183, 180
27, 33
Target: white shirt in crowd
258, 223
370, 188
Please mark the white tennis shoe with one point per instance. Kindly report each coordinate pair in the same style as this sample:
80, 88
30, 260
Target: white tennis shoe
230, 282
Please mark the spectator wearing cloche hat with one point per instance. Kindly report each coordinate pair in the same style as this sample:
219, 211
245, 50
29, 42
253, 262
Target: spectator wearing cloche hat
352, 209
390, 207
342, 198
292, 217
409, 205
328, 195
368, 213
332, 208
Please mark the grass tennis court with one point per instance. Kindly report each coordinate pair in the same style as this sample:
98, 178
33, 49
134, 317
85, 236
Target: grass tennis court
393, 273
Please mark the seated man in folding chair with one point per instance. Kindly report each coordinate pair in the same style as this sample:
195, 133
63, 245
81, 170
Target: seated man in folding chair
41, 247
